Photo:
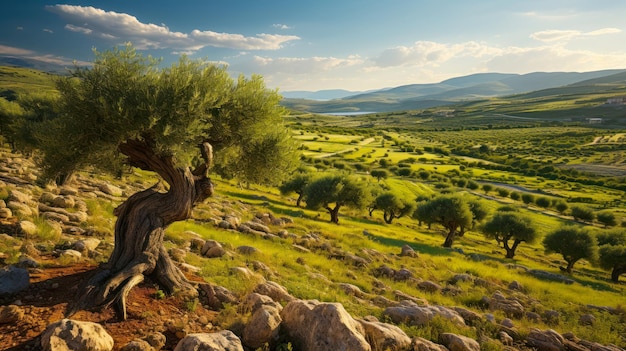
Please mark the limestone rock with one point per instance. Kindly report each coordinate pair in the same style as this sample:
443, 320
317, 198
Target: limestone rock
411, 313
263, 327
28, 228
458, 342
545, 340
224, 340
156, 340
429, 286
86, 245
137, 345
13, 279
68, 334
421, 344
408, 251
383, 336
217, 296
510, 307
587, 319
254, 301
274, 290
316, 326
351, 289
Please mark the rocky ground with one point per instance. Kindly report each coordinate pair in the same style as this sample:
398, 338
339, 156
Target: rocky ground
35, 290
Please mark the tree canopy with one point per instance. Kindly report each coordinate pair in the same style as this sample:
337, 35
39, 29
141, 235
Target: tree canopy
394, 205
451, 211
507, 226
613, 252
332, 192
126, 96
573, 243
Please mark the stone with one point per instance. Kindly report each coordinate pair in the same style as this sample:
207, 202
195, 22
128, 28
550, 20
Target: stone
28, 228
224, 340
258, 227
137, 345
274, 290
421, 344
515, 285
263, 327
247, 250
412, 314
403, 274
57, 217
384, 336
545, 340
5, 213
68, 334
429, 286
351, 289
19, 208
63, 202
315, 326
208, 245
13, 280
408, 251
71, 255
458, 342
156, 340
510, 307
470, 317
11, 314
177, 254
587, 319
26, 261
19, 196
86, 245
505, 338
217, 296
254, 301
110, 189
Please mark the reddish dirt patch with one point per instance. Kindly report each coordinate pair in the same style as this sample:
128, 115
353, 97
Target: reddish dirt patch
51, 289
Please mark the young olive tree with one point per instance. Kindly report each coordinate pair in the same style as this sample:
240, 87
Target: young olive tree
511, 229
332, 192
613, 252
394, 206
451, 211
168, 121
296, 184
573, 243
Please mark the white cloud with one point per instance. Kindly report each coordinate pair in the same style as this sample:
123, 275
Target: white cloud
300, 65
567, 35
20, 28
29, 54
281, 26
124, 27
12, 51
428, 53
48, 30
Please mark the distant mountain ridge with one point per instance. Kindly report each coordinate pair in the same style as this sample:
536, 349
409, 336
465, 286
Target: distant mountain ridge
450, 91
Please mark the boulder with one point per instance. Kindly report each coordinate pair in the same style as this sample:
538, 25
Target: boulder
408, 251
383, 336
274, 290
412, 314
156, 340
216, 296
68, 334
587, 319
86, 245
351, 289
13, 279
224, 340
19, 208
429, 286
263, 327
28, 228
545, 340
63, 202
254, 301
19, 196
458, 342
137, 345
421, 344
247, 250
510, 307
316, 326
208, 245
110, 189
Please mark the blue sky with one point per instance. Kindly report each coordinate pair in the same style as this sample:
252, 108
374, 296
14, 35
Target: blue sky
340, 44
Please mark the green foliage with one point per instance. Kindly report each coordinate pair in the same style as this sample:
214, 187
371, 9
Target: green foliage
507, 226
528, 198
582, 213
573, 243
126, 96
394, 205
607, 218
613, 252
340, 190
543, 202
296, 184
379, 174
451, 211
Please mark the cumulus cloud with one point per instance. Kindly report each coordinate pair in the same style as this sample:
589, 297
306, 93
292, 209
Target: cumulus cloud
428, 53
567, 35
124, 27
301, 65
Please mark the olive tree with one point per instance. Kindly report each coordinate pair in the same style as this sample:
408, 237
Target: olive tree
296, 184
394, 205
511, 229
613, 252
167, 121
332, 192
451, 211
573, 243
582, 213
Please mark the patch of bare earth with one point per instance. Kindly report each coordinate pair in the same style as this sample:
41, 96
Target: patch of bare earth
51, 290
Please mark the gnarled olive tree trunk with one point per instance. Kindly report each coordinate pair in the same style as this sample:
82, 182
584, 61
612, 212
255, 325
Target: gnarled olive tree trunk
140, 227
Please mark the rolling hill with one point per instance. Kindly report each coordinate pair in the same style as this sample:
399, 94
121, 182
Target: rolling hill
460, 89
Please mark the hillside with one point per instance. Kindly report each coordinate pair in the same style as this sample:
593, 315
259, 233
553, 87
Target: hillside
452, 91
17, 80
